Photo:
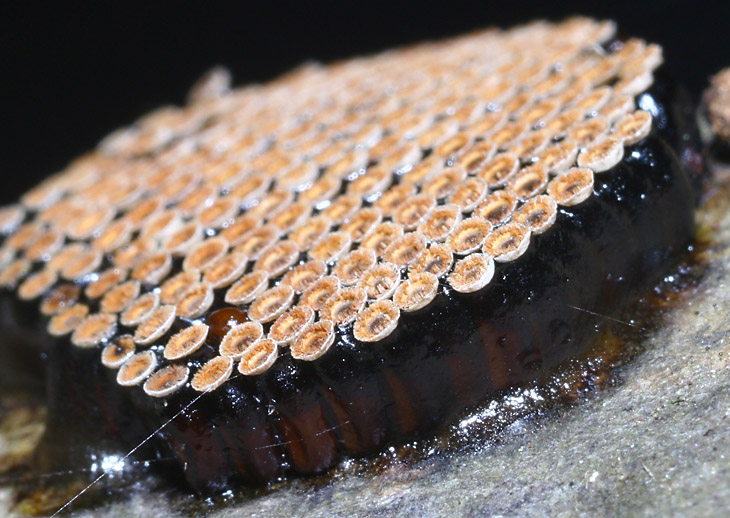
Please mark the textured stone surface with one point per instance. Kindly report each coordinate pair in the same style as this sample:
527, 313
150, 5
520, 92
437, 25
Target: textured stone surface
655, 443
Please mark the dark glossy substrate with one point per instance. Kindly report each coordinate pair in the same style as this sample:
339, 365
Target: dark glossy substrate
301, 417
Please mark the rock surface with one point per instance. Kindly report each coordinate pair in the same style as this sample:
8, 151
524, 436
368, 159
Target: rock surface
656, 442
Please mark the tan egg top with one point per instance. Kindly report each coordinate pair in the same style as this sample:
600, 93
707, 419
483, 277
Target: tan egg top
335, 197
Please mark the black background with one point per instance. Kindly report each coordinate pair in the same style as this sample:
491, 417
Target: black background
73, 71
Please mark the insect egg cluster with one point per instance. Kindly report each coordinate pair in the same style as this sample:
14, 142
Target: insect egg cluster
334, 198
